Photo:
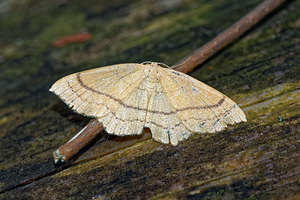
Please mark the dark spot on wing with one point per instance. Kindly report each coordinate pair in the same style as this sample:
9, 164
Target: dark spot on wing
178, 74
216, 122
202, 124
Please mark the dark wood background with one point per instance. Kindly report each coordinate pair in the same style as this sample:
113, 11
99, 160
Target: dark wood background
259, 159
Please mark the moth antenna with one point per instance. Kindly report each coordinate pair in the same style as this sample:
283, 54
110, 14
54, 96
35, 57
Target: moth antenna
147, 62
158, 63
163, 64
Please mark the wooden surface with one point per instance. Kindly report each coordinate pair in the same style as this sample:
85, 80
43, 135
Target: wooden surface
259, 159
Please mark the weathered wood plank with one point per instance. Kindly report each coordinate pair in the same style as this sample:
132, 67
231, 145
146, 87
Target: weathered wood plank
257, 160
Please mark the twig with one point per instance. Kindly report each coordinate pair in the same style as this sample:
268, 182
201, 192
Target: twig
200, 55
94, 127
83, 137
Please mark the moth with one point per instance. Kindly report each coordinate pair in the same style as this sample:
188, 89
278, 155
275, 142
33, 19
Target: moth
126, 98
